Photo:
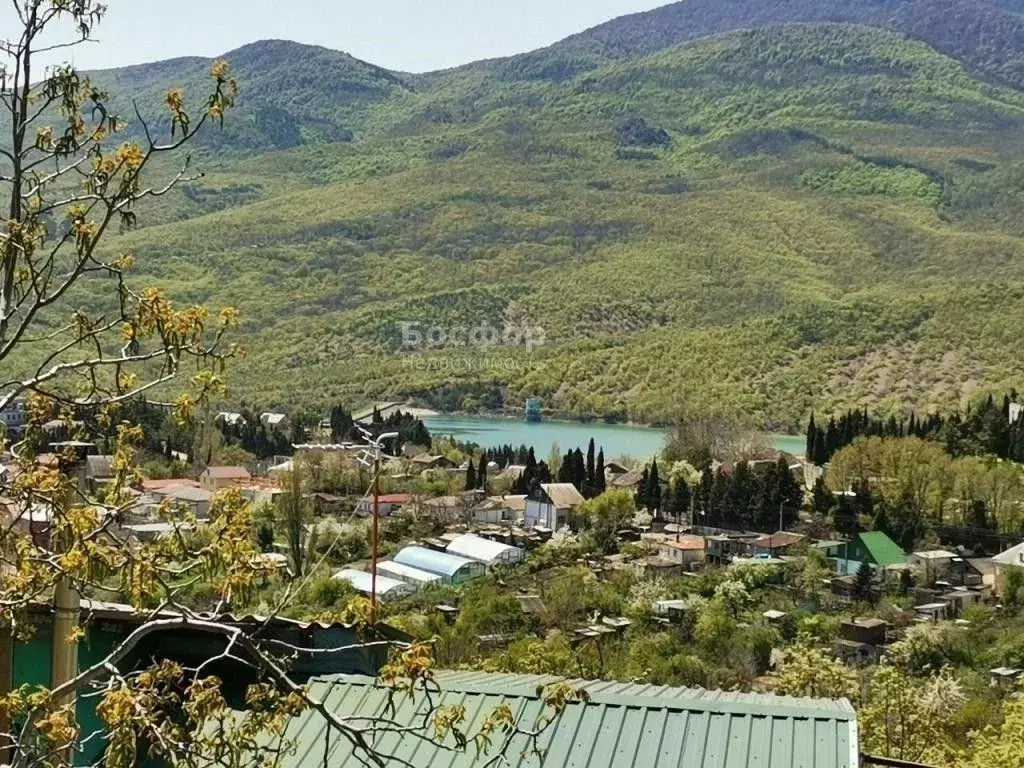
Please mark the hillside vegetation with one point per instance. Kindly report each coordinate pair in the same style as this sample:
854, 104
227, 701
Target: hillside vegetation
769, 220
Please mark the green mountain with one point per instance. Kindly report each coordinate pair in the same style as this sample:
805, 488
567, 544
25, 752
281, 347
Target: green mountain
987, 35
765, 220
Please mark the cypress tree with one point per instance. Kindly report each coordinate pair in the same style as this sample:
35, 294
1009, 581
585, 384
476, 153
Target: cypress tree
654, 488
864, 577
820, 449
565, 468
470, 475
641, 489
579, 470
679, 504
812, 433
591, 481
481, 473
599, 480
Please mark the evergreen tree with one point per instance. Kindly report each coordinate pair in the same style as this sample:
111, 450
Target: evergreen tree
642, 489
812, 433
341, 423
864, 578
718, 499
704, 491
470, 475
654, 489
481, 473
591, 480
579, 470
679, 501
565, 468
740, 494
822, 501
820, 449
600, 484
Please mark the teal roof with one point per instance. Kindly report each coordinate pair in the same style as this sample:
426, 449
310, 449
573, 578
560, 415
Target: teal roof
623, 725
883, 550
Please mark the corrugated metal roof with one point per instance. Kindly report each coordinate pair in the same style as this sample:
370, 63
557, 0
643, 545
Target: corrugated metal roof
622, 726
883, 550
486, 551
436, 562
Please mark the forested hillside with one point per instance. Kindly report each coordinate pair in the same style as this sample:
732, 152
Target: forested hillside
763, 221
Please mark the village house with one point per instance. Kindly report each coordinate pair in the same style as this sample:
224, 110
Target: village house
776, 544
723, 547
874, 548
941, 565
387, 504
14, 415
218, 478
425, 461
98, 471
195, 501
1010, 558
860, 641
656, 565
685, 550
229, 419
550, 505
496, 510
276, 422
446, 509
260, 490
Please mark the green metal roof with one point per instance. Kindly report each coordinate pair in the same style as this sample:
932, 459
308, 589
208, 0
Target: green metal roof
622, 726
883, 550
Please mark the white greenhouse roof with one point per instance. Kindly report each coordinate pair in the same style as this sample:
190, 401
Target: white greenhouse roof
386, 587
406, 573
435, 562
487, 551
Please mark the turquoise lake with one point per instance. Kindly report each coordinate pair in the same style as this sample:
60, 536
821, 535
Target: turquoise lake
616, 439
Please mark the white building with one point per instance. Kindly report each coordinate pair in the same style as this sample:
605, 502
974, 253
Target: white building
14, 415
1011, 558
550, 505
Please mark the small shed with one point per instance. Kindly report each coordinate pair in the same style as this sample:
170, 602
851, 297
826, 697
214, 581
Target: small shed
484, 550
452, 568
933, 611
1004, 676
413, 576
387, 589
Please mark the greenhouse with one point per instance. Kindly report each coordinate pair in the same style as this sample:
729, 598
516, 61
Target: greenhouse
484, 550
417, 577
387, 589
451, 568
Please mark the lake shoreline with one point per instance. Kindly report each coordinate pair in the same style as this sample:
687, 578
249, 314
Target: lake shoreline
617, 440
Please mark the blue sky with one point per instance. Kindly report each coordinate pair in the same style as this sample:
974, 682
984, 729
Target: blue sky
407, 35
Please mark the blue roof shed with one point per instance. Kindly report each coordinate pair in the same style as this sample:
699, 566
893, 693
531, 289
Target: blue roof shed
452, 568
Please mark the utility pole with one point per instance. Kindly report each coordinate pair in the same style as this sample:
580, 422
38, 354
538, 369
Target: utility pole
374, 449
66, 614
373, 546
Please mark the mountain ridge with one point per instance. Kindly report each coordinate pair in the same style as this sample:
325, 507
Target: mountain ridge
763, 221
